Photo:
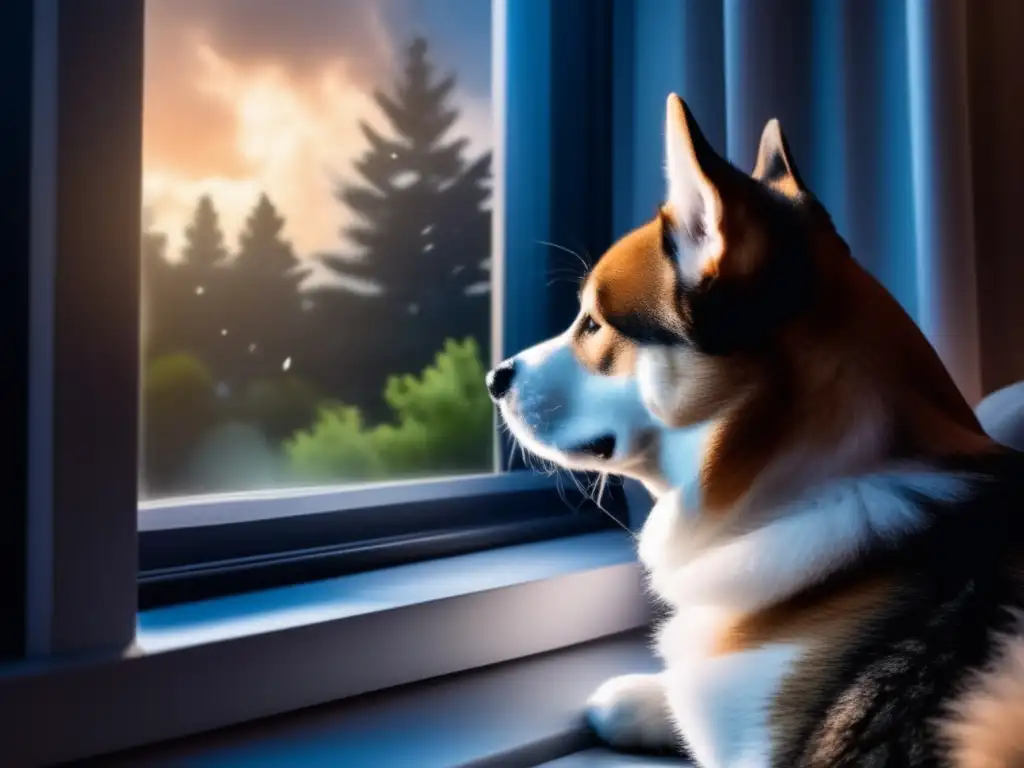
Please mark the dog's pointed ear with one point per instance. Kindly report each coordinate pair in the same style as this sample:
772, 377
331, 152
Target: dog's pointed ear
694, 204
775, 167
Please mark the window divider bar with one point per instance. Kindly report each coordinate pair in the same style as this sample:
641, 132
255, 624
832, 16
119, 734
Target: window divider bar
85, 372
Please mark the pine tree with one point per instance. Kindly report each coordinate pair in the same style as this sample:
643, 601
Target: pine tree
204, 240
423, 231
178, 400
263, 303
464, 230
199, 311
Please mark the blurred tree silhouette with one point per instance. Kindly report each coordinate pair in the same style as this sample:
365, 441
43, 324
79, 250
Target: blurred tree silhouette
262, 308
179, 405
423, 233
443, 423
245, 368
279, 405
197, 294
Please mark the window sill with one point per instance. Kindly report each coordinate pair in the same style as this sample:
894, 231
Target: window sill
225, 661
525, 712
603, 758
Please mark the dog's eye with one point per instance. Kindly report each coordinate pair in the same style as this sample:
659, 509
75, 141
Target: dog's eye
590, 326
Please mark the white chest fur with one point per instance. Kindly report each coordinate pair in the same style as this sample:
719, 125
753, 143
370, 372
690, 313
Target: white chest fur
721, 703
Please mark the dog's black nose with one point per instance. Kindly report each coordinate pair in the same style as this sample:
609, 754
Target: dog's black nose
499, 381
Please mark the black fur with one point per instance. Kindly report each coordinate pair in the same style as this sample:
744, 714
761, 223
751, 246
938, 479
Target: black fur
962, 582
731, 314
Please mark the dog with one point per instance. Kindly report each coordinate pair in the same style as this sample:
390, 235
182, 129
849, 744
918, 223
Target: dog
838, 545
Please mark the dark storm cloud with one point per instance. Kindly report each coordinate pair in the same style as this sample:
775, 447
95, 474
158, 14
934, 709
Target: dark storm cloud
301, 37
302, 34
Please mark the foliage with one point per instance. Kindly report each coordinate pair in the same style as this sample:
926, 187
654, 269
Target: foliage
179, 405
269, 362
443, 422
445, 418
184, 299
262, 305
336, 448
204, 246
422, 234
280, 405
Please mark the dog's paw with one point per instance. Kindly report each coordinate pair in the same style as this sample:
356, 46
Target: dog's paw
630, 713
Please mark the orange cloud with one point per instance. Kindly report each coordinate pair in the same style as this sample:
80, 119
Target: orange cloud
284, 140
284, 123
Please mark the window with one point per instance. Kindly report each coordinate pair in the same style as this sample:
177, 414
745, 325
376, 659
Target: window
98, 550
317, 243
325, 188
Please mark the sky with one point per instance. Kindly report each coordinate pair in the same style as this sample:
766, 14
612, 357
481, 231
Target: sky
250, 96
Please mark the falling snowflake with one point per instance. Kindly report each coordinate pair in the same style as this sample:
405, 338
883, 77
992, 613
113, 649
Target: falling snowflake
286, 364
200, 290
405, 179
223, 331
252, 347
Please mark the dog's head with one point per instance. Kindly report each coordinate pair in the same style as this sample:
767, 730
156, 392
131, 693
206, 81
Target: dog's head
738, 306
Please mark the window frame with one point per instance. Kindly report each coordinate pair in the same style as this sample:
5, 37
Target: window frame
16, 21
91, 667
325, 533
85, 370
556, 189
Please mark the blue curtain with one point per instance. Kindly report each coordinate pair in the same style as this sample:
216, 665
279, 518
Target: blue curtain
872, 95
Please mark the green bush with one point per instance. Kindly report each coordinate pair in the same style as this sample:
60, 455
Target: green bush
443, 423
279, 405
179, 405
335, 448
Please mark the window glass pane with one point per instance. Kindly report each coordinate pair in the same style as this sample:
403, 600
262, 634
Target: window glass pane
317, 241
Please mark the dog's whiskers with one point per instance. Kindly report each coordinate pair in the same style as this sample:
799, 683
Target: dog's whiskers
570, 251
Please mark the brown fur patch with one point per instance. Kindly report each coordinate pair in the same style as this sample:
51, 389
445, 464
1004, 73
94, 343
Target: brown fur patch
633, 286
825, 621
597, 344
985, 728
850, 361
826, 616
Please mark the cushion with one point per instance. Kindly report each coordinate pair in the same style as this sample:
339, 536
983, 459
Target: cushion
1002, 415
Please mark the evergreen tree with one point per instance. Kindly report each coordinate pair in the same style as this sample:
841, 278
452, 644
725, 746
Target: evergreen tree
355, 345
262, 304
199, 311
423, 231
464, 230
204, 240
